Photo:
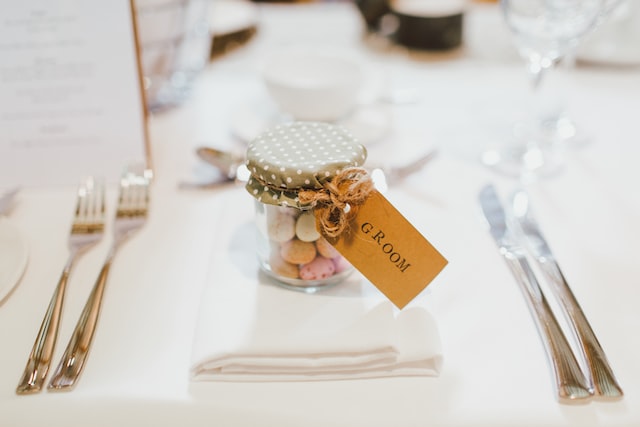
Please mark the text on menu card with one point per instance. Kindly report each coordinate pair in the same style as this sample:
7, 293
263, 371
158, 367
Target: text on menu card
71, 102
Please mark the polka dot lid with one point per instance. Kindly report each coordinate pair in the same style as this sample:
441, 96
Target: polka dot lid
299, 155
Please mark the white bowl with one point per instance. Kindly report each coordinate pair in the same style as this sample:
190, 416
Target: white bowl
311, 85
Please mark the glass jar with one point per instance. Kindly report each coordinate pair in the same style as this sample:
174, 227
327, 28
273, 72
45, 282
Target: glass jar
291, 250
284, 161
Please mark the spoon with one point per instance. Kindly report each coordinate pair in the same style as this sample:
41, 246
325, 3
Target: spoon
231, 165
233, 168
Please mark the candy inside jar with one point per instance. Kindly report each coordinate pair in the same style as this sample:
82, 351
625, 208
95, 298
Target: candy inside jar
291, 249
286, 163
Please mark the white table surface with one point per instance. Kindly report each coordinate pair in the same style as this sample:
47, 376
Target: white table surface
494, 373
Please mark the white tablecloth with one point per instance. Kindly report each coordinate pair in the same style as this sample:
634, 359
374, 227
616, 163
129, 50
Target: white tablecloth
494, 372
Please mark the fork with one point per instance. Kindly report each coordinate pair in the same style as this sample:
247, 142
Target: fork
86, 230
130, 216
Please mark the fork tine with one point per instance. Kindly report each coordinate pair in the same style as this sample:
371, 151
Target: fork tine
100, 203
147, 189
126, 192
86, 201
142, 197
80, 201
87, 198
93, 198
132, 206
134, 196
89, 216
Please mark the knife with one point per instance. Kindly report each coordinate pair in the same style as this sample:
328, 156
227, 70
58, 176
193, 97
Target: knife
570, 382
604, 381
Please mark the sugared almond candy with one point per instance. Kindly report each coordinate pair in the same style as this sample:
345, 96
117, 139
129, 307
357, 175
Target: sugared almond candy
298, 252
283, 268
280, 226
318, 269
306, 227
285, 210
326, 249
341, 264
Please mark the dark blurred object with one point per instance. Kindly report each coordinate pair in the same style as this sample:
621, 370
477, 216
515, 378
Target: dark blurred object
224, 43
232, 23
429, 33
372, 11
417, 24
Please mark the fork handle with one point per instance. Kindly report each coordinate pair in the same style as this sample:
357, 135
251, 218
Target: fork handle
604, 380
570, 382
35, 372
75, 355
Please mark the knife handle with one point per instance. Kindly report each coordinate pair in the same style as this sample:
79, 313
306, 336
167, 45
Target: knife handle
604, 381
570, 381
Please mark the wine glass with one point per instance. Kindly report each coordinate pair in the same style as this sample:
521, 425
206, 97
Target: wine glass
544, 32
561, 124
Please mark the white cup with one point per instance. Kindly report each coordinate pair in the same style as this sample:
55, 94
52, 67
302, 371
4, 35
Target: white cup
313, 86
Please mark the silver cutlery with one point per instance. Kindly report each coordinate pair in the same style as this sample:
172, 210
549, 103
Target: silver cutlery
226, 162
604, 381
131, 215
233, 169
86, 230
570, 381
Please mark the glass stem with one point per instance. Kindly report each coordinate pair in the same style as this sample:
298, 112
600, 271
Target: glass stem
546, 108
537, 68
535, 155
536, 71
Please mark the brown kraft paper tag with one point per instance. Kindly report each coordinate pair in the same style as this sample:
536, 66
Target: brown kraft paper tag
389, 251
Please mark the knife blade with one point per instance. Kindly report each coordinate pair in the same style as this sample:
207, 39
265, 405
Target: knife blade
602, 376
570, 382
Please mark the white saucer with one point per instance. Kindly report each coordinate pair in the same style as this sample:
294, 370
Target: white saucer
14, 254
369, 123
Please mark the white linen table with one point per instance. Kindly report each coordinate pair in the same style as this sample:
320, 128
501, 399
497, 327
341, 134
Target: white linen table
494, 372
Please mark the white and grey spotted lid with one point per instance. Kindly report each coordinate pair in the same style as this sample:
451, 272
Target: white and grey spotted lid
299, 155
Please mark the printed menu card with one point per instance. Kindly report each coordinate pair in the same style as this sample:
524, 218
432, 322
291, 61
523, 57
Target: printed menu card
71, 99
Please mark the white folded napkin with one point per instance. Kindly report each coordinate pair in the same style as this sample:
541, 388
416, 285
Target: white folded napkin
252, 330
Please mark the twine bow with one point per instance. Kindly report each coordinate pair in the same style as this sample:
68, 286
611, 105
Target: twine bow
338, 202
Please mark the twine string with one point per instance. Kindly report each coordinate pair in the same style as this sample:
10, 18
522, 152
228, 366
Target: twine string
338, 202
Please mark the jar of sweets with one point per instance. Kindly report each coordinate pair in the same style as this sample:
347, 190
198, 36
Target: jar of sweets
304, 175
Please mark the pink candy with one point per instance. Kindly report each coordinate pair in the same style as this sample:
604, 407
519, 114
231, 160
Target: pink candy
341, 264
319, 268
